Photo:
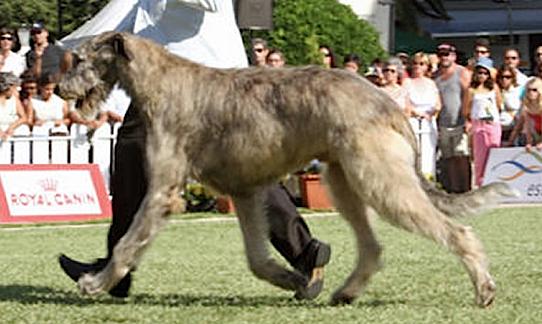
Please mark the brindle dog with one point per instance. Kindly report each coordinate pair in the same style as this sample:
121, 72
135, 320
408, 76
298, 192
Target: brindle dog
238, 130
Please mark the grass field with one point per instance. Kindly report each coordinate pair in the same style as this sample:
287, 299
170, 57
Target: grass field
195, 272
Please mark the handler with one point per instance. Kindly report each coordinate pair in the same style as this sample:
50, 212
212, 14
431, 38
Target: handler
203, 31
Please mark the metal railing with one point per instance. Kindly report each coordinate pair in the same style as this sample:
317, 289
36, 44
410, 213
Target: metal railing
74, 147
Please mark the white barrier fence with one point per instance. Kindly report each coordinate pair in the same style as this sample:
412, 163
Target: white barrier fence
41, 147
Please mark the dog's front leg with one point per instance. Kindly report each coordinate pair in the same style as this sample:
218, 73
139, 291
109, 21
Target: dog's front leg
166, 177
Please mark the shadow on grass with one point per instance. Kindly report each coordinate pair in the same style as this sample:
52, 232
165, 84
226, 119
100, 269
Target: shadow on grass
25, 294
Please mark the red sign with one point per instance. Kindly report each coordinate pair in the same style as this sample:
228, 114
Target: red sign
52, 192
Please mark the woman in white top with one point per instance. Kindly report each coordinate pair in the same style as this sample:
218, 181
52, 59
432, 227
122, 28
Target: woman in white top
11, 110
511, 97
424, 100
10, 61
481, 107
392, 83
49, 109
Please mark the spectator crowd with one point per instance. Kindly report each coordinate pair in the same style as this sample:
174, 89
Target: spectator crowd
29, 103
459, 112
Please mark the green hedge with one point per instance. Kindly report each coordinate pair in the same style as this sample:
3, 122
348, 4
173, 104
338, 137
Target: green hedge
300, 26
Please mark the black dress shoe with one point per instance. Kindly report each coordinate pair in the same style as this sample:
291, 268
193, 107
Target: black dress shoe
311, 263
75, 269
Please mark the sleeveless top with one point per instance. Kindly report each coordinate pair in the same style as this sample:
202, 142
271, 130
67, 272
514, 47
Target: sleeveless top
451, 94
49, 110
424, 98
484, 106
8, 113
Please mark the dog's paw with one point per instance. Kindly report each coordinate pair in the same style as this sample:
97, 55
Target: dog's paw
341, 298
486, 294
89, 284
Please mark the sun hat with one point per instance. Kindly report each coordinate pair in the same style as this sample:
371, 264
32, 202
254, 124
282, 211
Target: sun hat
445, 48
484, 62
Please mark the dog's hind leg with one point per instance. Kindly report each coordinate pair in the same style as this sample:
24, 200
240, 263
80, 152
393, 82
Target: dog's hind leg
389, 181
249, 210
354, 210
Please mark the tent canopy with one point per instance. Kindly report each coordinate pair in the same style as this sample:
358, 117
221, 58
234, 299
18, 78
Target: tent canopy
117, 15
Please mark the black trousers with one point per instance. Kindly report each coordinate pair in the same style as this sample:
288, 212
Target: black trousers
289, 233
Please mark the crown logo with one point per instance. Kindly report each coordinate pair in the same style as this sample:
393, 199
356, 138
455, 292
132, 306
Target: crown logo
48, 184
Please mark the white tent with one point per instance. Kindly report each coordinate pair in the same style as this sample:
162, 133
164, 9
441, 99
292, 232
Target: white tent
117, 15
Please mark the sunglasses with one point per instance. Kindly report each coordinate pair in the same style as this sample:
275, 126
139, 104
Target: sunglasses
532, 89
389, 70
506, 76
35, 31
483, 73
258, 50
419, 63
481, 51
511, 58
443, 54
6, 38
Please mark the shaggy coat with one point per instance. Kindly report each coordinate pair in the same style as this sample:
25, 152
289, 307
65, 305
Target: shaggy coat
238, 130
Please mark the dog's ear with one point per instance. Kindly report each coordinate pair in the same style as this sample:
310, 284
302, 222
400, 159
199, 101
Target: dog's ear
119, 46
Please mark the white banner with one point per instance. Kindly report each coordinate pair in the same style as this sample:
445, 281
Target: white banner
52, 193
62, 192
518, 168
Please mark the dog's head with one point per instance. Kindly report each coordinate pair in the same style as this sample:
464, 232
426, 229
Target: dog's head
96, 66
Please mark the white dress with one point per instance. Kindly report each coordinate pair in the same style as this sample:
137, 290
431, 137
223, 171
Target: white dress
8, 113
424, 100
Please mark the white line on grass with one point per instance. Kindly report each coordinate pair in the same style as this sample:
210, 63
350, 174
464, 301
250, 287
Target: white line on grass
173, 221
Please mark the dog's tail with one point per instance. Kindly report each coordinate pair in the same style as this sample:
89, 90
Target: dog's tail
469, 203
454, 205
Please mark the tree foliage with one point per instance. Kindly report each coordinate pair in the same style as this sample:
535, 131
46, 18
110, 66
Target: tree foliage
301, 26
14, 13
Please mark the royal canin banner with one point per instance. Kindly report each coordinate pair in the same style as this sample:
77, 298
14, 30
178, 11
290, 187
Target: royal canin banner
52, 192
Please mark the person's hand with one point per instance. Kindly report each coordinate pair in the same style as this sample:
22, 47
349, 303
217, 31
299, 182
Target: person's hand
38, 122
92, 124
528, 148
58, 123
39, 52
539, 146
468, 127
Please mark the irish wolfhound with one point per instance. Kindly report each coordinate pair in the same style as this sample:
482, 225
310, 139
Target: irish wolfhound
239, 130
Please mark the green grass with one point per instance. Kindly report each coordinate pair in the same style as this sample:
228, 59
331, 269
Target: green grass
195, 272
